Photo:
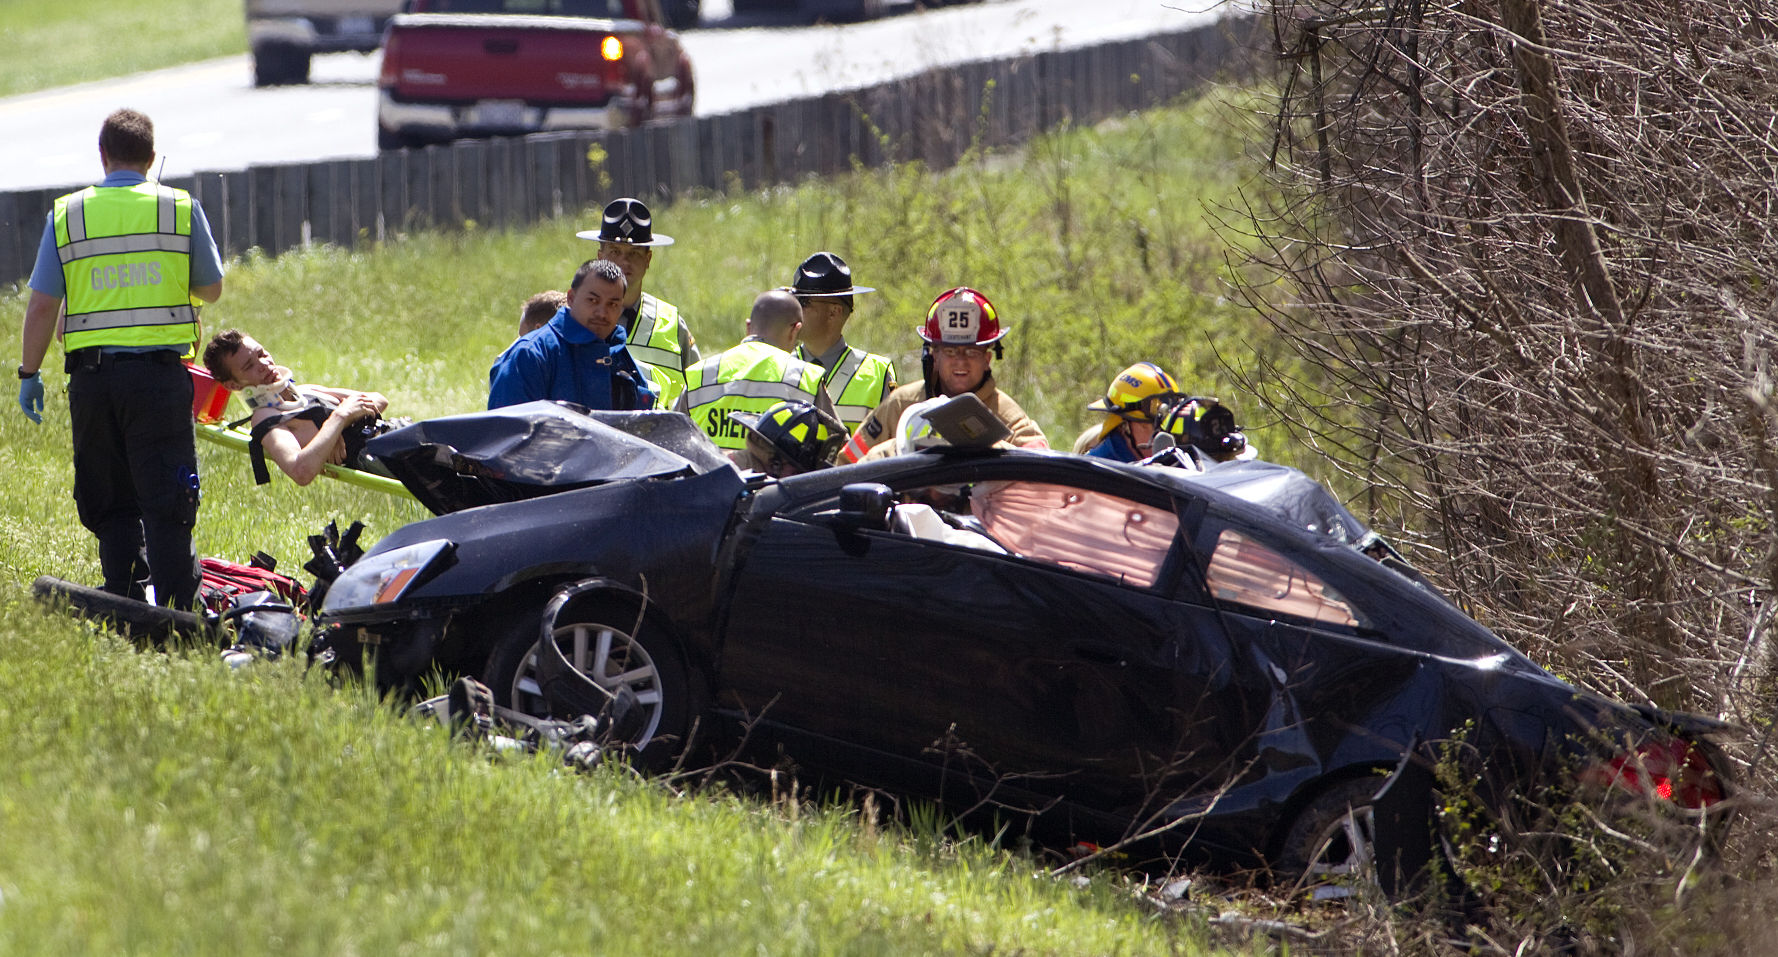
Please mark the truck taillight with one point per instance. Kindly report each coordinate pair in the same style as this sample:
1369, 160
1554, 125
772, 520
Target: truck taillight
388, 76
612, 49
1670, 769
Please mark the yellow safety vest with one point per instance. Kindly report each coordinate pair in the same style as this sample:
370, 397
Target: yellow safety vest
858, 383
126, 265
751, 377
654, 339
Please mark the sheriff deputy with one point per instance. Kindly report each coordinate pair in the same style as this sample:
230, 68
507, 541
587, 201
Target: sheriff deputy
857, 381
755, 375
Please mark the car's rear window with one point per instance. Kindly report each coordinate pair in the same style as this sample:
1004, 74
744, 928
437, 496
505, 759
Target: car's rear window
609, 9
1245, 572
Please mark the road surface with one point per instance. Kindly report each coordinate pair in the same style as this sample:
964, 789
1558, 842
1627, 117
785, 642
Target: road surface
208, 116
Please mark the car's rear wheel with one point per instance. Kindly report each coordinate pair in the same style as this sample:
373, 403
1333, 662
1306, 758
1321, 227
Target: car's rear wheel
388, 139
617, 649
1330, 849
280, 64
681, 14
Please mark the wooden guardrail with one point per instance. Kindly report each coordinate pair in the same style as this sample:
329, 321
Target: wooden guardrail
934, 117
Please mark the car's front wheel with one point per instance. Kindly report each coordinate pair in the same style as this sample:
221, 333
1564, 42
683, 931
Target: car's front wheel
619, 651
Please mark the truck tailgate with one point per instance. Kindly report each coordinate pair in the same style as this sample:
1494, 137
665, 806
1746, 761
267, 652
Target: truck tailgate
539, 60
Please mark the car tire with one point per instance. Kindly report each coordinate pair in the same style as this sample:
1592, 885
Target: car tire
137, 619
681, 14
866, 10
388, 139
614, 646
279, 64
642, 110
1329, 850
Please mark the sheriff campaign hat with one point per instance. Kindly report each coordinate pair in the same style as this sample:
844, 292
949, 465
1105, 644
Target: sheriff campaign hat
628, 221
825, 274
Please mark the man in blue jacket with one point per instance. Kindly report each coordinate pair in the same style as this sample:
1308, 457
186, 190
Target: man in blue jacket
579, 356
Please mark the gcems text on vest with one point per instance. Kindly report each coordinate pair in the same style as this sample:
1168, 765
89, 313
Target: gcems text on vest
125, 275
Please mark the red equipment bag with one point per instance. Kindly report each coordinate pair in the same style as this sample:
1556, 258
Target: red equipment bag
223, 581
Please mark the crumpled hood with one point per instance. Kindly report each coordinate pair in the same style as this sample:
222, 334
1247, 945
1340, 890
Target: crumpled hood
539, 448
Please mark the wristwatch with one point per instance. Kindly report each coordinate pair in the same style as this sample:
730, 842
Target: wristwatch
26, 375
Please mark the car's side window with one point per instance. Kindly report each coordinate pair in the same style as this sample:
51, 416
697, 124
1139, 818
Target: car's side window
1249, 573
1081, 530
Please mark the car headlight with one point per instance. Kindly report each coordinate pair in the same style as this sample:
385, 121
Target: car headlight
386, 576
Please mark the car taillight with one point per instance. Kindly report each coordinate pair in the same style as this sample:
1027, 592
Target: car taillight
1671, 769
388, 75
614, 68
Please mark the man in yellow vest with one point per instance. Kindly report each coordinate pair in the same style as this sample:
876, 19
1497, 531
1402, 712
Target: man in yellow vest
656, 335
755, 375
856, 381
129, 259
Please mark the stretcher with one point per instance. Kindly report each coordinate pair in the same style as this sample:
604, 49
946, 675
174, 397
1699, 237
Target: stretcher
209, 401
237, 439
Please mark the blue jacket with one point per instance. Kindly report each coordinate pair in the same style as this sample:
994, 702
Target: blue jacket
1115, 448
565, 360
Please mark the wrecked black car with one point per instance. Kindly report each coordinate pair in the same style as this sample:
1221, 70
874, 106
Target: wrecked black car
1226, 661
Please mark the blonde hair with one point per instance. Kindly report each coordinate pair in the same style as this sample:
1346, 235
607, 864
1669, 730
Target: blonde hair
539, 309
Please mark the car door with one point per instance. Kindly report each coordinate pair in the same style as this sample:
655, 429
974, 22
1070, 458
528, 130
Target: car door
1336, 688
1054, 660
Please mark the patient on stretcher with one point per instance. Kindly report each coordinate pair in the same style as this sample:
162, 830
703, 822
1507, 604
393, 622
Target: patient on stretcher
301, 428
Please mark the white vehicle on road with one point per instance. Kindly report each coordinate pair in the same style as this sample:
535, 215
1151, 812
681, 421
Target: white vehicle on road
285, 34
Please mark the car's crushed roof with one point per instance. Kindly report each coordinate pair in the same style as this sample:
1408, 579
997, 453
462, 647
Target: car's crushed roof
1289, 493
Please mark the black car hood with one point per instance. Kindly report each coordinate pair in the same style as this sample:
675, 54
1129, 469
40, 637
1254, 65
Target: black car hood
539, 448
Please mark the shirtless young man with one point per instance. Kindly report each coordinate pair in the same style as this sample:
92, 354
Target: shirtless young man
300, 446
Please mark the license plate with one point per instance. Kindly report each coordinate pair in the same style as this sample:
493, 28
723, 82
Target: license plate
508, 113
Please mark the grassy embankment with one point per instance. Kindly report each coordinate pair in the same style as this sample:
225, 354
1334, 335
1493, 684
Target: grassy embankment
160, 804
57, 42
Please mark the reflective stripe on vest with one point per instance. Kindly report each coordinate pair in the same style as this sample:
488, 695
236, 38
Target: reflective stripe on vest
760, 376
857, 384
654, 339
126, 266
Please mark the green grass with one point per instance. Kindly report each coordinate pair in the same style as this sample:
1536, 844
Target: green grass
161, 804
57, 42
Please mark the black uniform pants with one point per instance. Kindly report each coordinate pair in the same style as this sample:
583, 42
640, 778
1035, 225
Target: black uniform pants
136, 469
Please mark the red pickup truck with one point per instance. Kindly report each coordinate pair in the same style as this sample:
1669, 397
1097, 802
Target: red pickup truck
461, 68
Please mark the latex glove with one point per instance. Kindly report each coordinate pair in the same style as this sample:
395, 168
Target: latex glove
31, 397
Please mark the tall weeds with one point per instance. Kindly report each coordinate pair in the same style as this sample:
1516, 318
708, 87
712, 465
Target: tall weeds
1531, 248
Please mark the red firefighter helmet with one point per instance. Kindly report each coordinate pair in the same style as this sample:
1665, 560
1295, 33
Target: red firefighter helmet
962, 317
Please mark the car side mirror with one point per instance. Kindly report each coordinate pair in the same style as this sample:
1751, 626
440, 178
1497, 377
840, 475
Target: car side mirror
866, 505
